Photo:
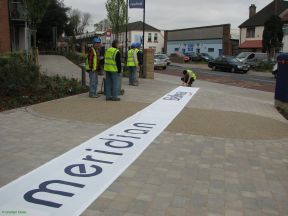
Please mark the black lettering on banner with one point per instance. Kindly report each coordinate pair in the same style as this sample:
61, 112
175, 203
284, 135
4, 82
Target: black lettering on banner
109, 143
43, 188
89, 158
171, 97
82, 169
177, 96
143, 125
140, 131
128, 137
106, 152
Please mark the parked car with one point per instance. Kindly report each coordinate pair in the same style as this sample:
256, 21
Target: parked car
178, 56
206, 57
251, 58
193, 56
164, 56
228, 63
160, 62
186, 58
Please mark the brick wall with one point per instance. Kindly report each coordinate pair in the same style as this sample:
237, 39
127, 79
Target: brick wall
227, 47
149, 63
5, 45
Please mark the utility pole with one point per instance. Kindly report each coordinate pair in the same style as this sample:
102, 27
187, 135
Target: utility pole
118, 11
126, 34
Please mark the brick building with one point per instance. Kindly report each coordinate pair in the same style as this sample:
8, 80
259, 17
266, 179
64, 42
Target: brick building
251, 31
15, 35
5, 44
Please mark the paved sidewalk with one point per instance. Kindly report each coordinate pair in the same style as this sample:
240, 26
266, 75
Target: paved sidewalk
225, 154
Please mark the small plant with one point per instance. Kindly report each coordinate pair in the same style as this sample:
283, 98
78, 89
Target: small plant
76, 58
264, 66
283, 111
20, 84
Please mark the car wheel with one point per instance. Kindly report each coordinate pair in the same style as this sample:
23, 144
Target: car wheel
214, 68
232, 70
164, 68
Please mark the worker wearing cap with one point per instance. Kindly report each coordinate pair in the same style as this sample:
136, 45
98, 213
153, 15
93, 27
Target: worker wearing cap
91, 68
188, 78
132, 63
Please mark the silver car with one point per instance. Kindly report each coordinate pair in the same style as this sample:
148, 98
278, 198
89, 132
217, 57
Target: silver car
164, 56
160, 62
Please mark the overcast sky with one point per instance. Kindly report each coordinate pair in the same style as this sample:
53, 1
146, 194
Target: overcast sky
175, 14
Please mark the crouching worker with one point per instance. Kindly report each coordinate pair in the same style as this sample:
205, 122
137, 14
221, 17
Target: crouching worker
188, 78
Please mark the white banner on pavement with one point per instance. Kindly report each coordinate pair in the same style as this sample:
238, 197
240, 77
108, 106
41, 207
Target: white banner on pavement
68, 184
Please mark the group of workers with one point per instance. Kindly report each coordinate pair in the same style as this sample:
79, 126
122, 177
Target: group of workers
112, 66
110, 62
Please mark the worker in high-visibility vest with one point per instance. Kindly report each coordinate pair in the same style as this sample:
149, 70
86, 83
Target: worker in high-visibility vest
132, 64
112, 67
91, 68
188, 78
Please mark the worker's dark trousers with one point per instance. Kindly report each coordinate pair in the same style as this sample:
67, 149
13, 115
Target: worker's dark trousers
186, 78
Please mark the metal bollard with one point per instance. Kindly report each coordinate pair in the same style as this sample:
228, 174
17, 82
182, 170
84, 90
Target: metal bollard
83, 69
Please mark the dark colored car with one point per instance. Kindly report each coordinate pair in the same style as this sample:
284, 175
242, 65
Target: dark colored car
226, 63
193, 56
206, 57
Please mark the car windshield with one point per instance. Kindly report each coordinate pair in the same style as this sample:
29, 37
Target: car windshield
206, 54
243, 55
160, 57
232, 60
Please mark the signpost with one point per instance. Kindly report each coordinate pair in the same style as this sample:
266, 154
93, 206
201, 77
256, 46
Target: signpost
136, 3
139, 4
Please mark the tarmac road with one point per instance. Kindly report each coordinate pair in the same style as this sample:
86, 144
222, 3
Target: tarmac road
253, 80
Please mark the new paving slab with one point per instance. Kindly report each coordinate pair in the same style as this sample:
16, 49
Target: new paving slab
225, 154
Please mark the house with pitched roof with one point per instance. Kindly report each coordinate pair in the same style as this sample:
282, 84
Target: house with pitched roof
251, 31
154, 38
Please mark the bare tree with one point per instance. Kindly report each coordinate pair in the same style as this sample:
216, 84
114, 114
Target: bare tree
79, 21
103, 25
85, 20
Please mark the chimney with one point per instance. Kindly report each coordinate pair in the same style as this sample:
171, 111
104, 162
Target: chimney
252, 10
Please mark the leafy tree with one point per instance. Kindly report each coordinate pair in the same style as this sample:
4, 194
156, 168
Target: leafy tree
55, 16
272, 35
116, 13
35, 11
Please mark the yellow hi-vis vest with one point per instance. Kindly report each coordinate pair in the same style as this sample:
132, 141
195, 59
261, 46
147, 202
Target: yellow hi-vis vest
191, 74
87, 66
130, 60
110, 63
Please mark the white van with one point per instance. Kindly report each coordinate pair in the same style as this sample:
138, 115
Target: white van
251, 58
